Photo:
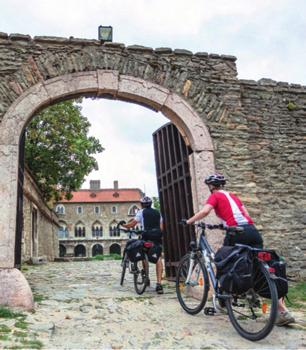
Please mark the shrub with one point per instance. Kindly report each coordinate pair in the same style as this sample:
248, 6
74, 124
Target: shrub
106, 257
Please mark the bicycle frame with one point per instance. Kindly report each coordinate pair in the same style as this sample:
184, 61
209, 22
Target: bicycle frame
207, 253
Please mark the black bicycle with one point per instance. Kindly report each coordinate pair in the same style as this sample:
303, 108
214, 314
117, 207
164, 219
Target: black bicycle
252, 313
135, 260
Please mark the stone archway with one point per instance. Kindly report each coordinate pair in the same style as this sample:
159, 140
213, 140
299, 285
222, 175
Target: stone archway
97, 249
80, 250
62, 250
257, 127
115, 248
94, 83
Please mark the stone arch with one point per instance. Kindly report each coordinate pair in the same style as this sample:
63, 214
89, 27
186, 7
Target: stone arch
80, 250
115, 248
132, 210
97, 249
97, 83
62, 250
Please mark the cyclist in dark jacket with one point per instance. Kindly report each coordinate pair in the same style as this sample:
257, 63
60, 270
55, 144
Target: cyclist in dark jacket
232, 212
151, 221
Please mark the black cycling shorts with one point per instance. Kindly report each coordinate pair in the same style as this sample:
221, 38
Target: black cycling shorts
154, 235
250, 237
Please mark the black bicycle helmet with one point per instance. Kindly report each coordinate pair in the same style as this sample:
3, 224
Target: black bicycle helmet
215, 179
146, 201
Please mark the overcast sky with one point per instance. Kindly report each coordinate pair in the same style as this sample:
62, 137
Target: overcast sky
266, 36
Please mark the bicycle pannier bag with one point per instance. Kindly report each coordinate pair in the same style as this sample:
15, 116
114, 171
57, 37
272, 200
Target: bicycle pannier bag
234, 269
134, 250
278, 267
154, 253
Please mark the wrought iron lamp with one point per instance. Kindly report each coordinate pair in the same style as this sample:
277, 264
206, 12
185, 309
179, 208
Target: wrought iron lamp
105, 33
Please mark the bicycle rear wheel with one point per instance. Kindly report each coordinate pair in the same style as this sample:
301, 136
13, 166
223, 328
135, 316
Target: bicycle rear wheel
141, 275
192, 295
124, 264
253, 314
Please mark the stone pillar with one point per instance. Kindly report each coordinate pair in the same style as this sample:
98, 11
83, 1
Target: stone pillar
202, 165
106, 248
69, 249
14, 288
8, 189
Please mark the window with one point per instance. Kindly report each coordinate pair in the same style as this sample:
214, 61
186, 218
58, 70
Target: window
60, 209
79, 230
114, 210
63, 231
133, 210
97, 210
97, 229
113, 230
79, 210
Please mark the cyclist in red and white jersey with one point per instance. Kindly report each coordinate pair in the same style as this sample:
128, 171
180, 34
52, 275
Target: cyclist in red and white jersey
232, 212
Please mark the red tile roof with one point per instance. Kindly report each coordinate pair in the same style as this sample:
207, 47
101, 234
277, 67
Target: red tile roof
105, 195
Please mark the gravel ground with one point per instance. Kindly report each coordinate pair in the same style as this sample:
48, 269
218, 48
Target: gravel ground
82, 306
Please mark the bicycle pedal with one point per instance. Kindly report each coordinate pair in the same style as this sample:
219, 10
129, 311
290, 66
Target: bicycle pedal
209, 311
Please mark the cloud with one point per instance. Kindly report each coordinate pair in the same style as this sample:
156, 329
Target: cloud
254, 31
119, 126
159, 18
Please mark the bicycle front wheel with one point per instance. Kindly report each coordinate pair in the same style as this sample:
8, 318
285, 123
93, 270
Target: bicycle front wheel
253, 314
192, 294
141, 275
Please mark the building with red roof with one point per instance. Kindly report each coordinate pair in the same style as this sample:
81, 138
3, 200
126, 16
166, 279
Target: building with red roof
88, 221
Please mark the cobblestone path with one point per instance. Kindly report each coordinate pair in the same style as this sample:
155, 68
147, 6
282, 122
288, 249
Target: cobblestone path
83, 307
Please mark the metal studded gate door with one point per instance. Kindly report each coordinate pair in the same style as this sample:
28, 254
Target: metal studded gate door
174, 187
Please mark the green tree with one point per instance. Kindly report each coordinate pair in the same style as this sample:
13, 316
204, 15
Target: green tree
58, 150
156, 203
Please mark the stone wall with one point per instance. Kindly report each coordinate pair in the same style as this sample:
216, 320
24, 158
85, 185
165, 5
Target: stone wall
25, 61
44, 242
258, 128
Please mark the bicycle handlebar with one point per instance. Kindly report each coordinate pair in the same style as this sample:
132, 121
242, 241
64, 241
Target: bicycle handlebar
210, 226
203, 225
130, 231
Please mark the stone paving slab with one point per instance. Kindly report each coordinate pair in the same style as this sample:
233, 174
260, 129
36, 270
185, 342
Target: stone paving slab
84, 307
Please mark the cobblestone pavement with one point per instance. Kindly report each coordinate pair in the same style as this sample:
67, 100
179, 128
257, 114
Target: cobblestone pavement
83, 306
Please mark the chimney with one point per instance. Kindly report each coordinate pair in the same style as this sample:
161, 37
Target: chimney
116, 185
95, 185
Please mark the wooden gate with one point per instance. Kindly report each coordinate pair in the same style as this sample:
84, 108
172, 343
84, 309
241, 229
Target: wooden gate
174, 187
19, 218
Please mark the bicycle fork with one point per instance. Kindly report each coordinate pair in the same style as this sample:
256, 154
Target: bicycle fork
190, 270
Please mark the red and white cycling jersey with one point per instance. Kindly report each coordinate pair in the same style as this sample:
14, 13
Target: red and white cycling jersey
229, 208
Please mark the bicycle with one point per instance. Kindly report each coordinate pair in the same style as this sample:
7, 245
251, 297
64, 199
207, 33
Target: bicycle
140, 268
252, 313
